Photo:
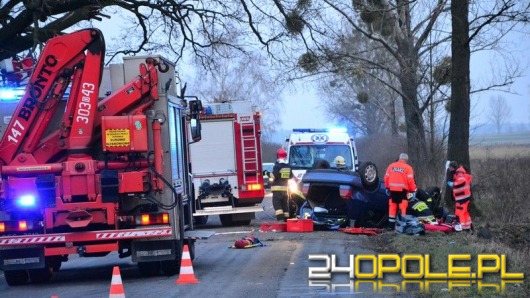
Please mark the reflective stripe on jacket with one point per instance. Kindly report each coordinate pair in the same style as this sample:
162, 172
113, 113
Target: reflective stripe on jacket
281, 173
462, 184
399, 177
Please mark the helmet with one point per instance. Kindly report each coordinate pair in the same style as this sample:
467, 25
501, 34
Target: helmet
340, 162
281, 154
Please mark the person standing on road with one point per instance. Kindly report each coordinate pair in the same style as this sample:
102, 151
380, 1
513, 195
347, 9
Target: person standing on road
461, 184
281, 173
401, 186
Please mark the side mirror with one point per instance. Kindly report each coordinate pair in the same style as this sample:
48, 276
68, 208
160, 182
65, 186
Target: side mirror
195, 106
195, 129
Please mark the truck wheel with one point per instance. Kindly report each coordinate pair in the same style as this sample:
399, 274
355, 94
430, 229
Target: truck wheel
149, 268
171, 267
226, 220
191, 247
201, 220
369, 176
16, 277
245, 222
56, 263
40, 275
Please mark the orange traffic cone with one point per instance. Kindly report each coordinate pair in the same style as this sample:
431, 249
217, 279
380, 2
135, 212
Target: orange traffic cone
116, 286
186, 275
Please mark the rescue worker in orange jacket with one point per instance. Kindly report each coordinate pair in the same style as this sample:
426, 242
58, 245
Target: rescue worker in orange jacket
401, 186
461, 184
281, 173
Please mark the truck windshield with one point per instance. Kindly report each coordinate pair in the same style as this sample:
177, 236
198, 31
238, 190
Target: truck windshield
305, 156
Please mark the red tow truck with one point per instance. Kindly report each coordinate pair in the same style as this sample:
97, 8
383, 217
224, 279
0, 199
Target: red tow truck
85, 175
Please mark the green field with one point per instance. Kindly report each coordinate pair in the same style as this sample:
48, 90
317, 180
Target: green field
493, 139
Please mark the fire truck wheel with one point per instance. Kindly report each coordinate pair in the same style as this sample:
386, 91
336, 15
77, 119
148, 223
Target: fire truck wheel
56, 263
149, 268
41, 275
245, 222
201, 220
226, 220
16, 277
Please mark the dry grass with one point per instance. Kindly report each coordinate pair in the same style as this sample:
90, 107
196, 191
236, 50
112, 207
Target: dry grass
500, 191
499, 152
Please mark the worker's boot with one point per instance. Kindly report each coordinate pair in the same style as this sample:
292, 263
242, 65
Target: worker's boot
391, 226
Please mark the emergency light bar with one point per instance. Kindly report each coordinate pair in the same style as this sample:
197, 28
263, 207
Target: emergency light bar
332, 129
15, 94
11, 94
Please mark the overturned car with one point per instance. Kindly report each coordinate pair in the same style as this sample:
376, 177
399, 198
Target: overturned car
334, 198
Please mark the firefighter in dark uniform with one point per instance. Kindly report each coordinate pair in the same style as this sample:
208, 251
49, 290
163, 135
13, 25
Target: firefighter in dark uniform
281, 173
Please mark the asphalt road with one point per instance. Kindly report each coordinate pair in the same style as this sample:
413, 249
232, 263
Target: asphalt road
279, 269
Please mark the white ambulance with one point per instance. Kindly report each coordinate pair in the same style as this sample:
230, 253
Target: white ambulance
306, 146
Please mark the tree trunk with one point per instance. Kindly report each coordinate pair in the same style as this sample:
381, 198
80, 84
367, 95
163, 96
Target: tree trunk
416, 142
408, 78
458, 139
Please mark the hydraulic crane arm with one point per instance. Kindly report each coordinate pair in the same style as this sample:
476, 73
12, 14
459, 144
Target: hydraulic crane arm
136, 96
46, 86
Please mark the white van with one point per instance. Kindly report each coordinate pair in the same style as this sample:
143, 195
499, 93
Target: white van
306, 146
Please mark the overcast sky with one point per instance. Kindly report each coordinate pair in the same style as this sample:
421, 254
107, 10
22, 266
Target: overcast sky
304, 109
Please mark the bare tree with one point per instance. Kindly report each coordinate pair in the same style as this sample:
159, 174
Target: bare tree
499, 112
354, 94
247, 78
175, 27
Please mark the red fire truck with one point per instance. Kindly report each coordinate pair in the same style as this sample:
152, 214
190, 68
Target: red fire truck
226, 165
86, 175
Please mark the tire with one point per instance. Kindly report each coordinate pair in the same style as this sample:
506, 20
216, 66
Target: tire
40, 275
149, 268
226, 220
16, 277
369, 176
172, 267
56, 263
201, 220
191, 247
245, 222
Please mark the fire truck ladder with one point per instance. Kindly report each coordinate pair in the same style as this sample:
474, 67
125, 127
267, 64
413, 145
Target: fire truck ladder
250, 151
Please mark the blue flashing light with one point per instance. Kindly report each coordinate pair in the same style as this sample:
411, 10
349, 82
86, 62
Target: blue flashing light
310, 130
338, 130
27, 201
330, 130
11, 94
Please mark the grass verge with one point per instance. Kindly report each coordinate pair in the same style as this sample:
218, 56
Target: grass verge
439, 245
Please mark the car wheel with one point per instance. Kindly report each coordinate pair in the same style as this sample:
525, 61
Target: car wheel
369, 176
